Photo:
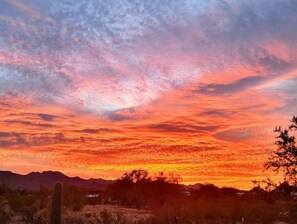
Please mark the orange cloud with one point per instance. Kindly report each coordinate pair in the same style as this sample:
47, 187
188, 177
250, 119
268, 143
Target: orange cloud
195, 91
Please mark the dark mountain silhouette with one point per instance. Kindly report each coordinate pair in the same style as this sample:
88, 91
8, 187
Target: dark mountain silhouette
32, 181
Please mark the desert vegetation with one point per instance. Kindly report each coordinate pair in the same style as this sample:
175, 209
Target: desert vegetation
139, 198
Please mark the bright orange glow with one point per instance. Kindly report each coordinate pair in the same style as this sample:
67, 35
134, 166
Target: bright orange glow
198, 98
192, 137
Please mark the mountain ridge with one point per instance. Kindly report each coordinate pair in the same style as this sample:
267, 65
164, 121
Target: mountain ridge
34, 180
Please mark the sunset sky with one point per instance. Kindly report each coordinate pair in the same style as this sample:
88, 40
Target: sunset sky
191, 87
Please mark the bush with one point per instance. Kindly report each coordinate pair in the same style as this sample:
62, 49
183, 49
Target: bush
4, 216
107, 217
73, 220
74, 198
41, 217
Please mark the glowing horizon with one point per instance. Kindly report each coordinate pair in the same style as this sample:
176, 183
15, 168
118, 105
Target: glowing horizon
98, 88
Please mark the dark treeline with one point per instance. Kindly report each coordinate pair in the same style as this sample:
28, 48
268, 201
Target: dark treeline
168, 199
138, 189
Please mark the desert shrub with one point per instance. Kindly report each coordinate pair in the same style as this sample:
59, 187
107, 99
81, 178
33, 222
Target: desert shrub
107, 217
41, 217
74, 198
4, 216
15, 202
263, 212
121, 219
88, 215
4, 190
30, 208
23, 203
42, 196
73, 220
229, 210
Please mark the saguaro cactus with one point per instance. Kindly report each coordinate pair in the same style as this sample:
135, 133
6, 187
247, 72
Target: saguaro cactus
56, 206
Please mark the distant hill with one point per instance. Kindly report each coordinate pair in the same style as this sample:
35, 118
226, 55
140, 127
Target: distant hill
196, 186
32, 181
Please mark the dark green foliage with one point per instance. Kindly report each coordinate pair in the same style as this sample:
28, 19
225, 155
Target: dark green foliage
56, 205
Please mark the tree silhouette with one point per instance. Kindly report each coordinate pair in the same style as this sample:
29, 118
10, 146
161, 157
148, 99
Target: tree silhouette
136, 176
138, 189
284, 158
